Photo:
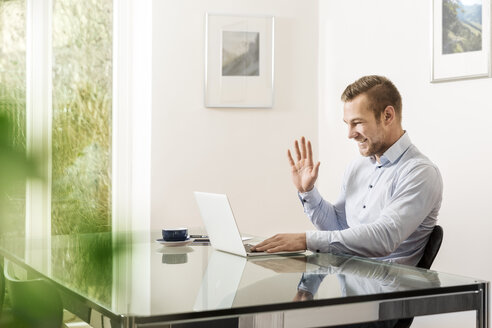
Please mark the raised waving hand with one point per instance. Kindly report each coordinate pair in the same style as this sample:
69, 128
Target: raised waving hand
304, 171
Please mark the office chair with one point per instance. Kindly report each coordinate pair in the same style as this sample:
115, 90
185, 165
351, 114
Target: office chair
35, 303
6, 320
430, 253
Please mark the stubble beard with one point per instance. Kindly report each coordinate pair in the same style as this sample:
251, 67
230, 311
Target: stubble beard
375, 148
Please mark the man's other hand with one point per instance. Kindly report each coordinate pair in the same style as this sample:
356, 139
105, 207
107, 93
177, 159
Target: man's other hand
303, 295
304, 172
282, 242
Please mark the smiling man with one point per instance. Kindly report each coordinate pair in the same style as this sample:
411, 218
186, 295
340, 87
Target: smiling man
390, 196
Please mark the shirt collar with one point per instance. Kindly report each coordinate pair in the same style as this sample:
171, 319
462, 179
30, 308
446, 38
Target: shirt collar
395, 151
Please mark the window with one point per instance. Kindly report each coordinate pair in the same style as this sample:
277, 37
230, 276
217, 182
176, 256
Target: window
81, 119
81, 152
56, 81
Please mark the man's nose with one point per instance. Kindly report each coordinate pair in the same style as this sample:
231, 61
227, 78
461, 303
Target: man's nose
351, 133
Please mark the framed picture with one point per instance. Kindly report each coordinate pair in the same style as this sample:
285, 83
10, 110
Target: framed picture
460, 39
239, 61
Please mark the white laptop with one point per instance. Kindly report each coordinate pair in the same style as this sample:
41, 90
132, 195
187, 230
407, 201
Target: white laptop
222, 228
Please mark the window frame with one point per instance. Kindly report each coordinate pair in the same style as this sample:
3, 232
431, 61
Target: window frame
38, 125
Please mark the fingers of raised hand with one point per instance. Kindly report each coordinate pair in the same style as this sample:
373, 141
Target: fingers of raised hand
303, 147
291, 160
315, 170
309, 153
298, 151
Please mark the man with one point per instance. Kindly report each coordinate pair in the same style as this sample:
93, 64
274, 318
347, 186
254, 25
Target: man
390, 197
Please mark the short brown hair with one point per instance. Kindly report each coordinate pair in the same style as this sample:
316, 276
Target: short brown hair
380, 91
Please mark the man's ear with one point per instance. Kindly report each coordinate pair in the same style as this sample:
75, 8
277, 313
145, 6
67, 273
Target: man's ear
389, 115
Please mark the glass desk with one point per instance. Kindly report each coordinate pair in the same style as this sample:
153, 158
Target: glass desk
132, 281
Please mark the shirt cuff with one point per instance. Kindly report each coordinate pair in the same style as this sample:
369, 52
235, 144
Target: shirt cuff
310, 282
318, 241
310, 199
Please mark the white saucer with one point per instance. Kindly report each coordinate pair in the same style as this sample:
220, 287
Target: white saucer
174, 243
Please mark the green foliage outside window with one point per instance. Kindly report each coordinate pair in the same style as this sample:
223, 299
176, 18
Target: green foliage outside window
82, 97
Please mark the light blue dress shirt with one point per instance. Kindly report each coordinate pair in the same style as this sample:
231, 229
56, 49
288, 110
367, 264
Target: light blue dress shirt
385, 210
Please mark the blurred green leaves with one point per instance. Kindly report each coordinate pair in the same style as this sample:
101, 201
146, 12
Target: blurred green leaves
15, 167
14, 164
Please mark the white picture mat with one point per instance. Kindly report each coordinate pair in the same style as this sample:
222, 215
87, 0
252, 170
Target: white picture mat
465, 65
238, 91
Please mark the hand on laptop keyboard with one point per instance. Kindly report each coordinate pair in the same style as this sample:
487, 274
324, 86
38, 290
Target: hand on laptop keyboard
248, 249
283, 242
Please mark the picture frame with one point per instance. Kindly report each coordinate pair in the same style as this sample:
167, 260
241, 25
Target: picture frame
460, 40
239, 61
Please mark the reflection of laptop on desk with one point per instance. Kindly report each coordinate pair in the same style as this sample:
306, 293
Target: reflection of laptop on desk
221, 226
220, 282
223, 286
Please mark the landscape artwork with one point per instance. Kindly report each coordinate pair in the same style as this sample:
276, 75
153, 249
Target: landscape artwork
240, 53
461, 26
239, 61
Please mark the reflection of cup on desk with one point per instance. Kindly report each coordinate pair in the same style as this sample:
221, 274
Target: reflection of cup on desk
174, 258
175, 255
177, 234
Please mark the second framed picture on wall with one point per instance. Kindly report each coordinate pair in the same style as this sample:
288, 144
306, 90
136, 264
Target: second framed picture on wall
239, 61
460, 40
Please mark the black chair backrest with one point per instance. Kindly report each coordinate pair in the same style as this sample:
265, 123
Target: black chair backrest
432, 247
430, 253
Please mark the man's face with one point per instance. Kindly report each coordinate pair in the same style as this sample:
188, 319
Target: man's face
369, 133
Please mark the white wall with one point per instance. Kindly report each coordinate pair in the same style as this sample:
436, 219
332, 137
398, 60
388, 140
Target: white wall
241, 152
449, 122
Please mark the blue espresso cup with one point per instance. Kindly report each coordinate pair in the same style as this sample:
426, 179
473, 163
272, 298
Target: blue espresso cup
178, 234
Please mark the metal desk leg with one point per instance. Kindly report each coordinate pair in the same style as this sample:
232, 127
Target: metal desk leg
483, 312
